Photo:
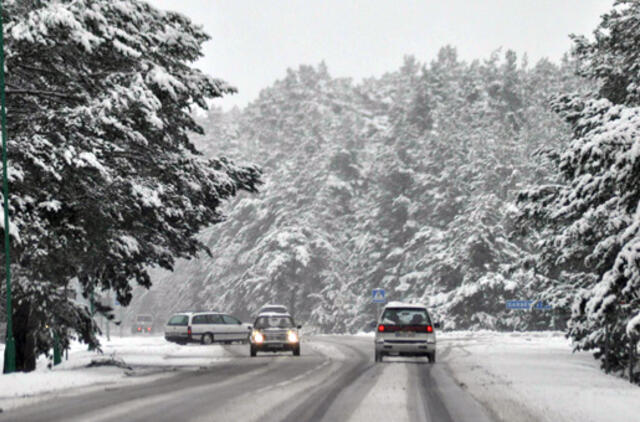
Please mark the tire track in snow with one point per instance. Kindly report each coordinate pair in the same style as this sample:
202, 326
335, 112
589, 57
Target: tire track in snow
315, 402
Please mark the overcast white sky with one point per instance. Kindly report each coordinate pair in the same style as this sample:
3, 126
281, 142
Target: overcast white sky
254, 42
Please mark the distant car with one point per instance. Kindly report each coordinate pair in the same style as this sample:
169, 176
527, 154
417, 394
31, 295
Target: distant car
278, 309
405, 329
206, 328
143, 324
275, 332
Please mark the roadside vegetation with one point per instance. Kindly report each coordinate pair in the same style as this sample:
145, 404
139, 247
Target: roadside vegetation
461, 185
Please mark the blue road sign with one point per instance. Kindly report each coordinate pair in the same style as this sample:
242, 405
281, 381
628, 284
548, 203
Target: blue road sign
526, 304
378, 296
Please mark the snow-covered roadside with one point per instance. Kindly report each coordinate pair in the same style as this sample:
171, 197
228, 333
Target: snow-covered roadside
536, 377
144, 354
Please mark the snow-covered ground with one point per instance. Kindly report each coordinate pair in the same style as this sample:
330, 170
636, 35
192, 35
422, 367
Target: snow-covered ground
149, 355
536, 377
516, 376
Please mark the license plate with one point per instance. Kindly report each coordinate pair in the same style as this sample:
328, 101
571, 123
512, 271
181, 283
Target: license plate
405, 334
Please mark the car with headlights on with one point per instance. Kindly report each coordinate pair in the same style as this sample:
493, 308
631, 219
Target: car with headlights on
405, 329
275, 332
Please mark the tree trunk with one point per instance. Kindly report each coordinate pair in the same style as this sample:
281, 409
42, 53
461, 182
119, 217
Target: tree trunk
606, 348
632, 358
23, 332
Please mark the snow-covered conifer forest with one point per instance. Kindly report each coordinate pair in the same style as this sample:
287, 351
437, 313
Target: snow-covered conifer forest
458, 184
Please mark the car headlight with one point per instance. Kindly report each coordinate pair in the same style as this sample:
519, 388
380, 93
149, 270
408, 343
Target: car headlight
292, 336
258, 337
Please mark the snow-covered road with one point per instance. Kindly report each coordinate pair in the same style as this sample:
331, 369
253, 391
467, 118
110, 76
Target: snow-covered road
479, 376
335, 379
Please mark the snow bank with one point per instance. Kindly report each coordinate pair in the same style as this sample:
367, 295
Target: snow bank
536, 377
143, 354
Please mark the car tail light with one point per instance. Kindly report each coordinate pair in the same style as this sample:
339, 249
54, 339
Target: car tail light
429, 329
149, 329
139, 329
381, 328
189, 331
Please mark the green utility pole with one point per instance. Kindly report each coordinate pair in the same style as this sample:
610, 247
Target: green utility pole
57, 358
10, 346
108, 322
92, 312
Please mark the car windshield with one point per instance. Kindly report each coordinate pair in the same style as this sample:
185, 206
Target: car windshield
145, 318
178, 320
405, 316
273, 309
274, 322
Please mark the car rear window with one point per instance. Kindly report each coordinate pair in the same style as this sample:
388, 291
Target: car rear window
406, 316
145, 318
178, 320
230, 320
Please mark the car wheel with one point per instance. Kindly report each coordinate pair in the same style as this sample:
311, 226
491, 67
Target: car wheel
432, 357
378, 356
296, 351
253, 352
207, 339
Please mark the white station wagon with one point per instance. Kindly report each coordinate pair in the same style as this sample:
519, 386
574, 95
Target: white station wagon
206, 328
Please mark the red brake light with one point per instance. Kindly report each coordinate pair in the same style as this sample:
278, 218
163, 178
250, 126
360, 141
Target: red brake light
380, 328
148, 328
189, 331
139, 329
429, 329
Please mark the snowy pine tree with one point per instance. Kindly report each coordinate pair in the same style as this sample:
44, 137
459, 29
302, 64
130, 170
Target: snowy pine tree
105, 181
591, 247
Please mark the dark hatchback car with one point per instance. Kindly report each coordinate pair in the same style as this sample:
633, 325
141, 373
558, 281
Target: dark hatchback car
143, 324
274, 332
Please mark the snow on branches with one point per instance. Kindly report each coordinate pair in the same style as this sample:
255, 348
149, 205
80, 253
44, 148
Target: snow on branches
105, 179
592, 218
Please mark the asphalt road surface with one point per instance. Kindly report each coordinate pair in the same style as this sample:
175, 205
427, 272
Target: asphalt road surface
335, 379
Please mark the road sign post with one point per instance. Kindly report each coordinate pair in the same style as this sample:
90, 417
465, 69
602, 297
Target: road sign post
378, 296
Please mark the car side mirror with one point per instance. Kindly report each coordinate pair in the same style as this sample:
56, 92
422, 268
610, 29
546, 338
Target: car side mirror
249, 328
373, 324
299, 327
436, 325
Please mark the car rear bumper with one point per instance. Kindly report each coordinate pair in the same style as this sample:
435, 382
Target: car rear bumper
405, 347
